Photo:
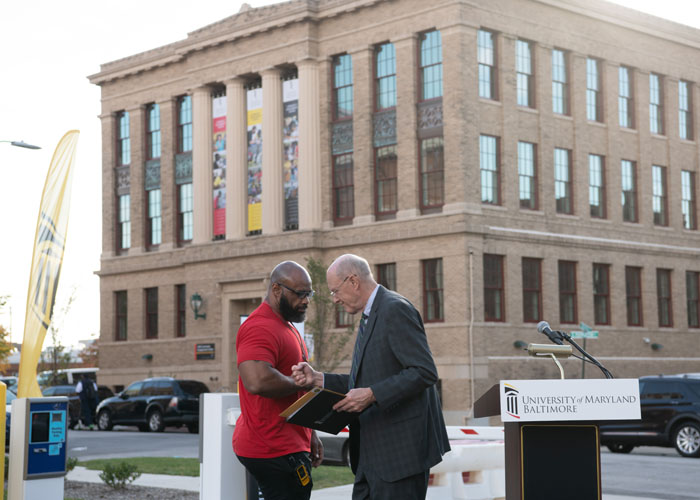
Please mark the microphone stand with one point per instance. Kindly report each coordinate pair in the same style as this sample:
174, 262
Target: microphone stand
571, 341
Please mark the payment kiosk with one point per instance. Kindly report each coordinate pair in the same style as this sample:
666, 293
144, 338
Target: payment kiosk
38, 448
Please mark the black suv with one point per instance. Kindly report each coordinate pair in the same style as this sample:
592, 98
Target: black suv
153, 404
670, 417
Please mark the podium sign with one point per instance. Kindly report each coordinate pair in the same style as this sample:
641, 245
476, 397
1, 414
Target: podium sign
569, 400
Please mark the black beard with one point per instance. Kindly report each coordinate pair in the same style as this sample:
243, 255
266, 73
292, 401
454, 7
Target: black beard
289, 313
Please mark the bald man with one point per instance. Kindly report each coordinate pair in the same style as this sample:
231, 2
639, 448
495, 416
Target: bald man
279, 455
400, 432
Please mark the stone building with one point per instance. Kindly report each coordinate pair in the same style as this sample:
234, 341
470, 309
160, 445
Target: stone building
498, 162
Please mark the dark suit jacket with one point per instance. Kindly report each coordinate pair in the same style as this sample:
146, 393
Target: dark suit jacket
403, 433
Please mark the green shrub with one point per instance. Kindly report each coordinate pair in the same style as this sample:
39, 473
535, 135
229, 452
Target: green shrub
71, 462
118, 476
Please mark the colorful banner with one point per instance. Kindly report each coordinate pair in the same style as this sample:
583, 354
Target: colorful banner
290, 145
254, 98
219, 164
49, 243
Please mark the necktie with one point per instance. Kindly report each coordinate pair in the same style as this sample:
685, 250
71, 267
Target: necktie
356, 353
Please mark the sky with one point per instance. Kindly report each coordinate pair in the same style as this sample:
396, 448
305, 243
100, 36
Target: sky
49, 49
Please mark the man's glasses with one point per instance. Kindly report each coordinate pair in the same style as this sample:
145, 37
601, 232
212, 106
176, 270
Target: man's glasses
301, 294
333, 292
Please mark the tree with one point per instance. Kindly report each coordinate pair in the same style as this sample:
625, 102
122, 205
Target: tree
89, 354
56, 356
5, 340
327, 344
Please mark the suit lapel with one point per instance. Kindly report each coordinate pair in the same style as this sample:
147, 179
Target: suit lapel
369, 328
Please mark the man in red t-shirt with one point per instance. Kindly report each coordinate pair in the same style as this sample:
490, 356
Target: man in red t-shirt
267, 346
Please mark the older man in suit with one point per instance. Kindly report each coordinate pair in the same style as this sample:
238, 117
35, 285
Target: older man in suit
400, 432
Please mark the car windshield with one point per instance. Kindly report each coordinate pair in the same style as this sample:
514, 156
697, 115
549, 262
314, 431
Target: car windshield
193, 387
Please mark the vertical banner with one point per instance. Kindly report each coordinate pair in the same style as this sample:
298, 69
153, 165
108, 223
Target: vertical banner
290, 146
47, 257
219, 165
254, 99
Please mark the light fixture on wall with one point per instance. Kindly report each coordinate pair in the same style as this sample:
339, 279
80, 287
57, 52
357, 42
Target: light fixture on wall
656, 347
147, 357
196, 303
520, 344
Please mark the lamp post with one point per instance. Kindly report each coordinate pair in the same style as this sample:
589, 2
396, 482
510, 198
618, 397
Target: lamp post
22, 144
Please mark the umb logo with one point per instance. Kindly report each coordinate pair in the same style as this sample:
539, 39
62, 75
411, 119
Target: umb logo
50, 248
511, 394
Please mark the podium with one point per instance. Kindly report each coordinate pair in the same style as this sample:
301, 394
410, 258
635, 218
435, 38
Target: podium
552, 442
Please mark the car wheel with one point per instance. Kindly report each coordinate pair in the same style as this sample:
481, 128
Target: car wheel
104, 421
155, 421
686, 439
346, 452
620, 448
193, 428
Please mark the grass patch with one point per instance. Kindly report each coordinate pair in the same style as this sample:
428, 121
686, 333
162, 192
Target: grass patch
151, 465
325, 476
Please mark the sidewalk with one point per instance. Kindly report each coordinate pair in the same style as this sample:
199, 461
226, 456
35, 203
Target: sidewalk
192, 484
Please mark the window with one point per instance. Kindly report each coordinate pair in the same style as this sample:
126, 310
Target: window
342, 87
658, 199
430, 65
486, 55
432, 167
342, 318
181, 323
596, 186
488, 161
151, 313
685, 111
525, 75
633, 286
123, 140
124, 226
663, 297
153, 132
656, 105
386, 275
560, 83
385, 181
601, 294
432, 290
625, 101
343, 188
594, 96
567, 292
527, 175
184, 124
688, 207
385, 77
629, 191
494, 306
562, 181
532, 290
185, 212
154, 217
692, 293
120, 316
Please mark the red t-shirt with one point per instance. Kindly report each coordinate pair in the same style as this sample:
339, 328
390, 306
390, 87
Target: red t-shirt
260, 432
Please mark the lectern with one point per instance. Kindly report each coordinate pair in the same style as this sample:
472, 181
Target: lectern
552, 445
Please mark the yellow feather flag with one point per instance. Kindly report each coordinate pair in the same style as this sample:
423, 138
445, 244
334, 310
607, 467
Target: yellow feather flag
49, 242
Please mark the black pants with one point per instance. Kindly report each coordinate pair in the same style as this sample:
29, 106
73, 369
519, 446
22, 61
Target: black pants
278, 478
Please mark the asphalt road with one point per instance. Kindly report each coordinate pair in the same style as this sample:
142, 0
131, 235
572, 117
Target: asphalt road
647, 472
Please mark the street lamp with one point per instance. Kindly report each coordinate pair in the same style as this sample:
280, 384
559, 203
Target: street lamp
196, 304
22, 144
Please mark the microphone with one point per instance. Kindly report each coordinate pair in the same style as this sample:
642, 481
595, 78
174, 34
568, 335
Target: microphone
543, 327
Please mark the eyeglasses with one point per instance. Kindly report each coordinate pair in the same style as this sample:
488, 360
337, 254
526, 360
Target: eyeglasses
333, 292
305, 294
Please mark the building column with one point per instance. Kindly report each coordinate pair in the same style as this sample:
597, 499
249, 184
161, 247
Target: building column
363, 148
236, 160
137, 170
201, 166
109, 185
406, 128
168, 189
309, 146
272, 178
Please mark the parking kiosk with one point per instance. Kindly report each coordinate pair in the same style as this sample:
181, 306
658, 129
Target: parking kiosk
38, 448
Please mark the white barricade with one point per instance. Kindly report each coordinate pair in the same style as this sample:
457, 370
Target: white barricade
475, 467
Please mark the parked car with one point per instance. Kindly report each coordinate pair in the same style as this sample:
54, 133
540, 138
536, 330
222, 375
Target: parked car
670, 417
65, 376
336, 447
103, 392
9, 398
10, 382
154, 404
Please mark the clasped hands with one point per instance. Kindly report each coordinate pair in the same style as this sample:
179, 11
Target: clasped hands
355, 401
